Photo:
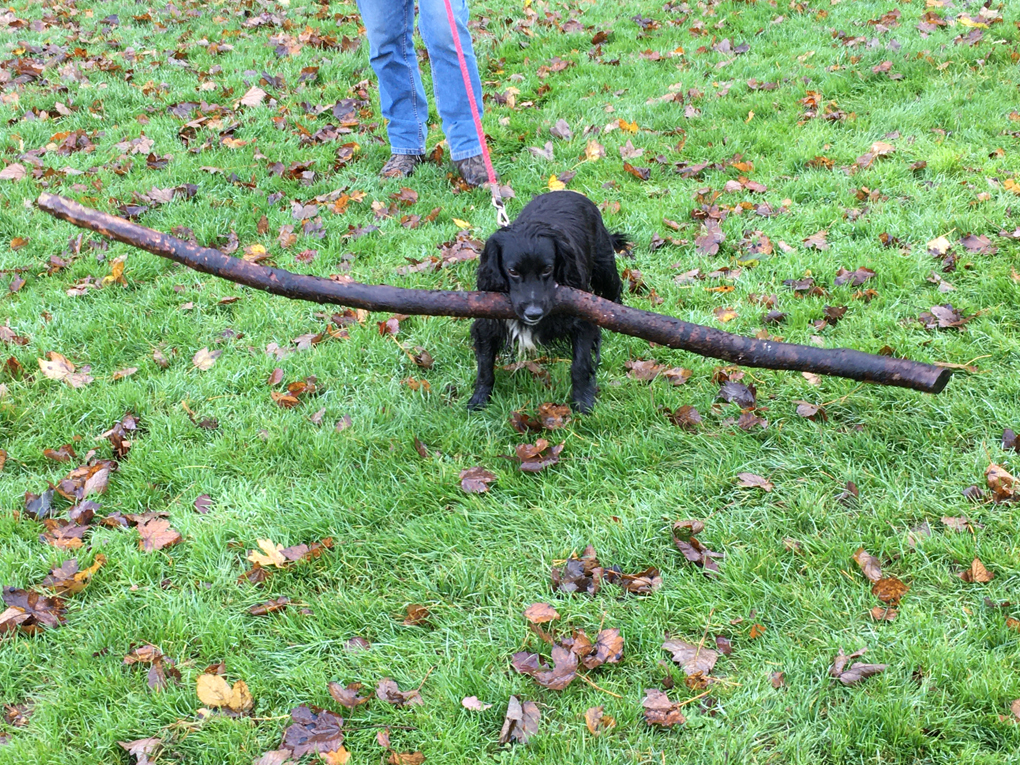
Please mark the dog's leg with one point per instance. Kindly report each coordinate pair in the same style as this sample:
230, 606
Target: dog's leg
488, 336
587, 340
605, 281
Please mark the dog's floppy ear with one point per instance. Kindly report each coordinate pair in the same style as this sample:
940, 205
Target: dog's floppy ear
572, 268
490, 266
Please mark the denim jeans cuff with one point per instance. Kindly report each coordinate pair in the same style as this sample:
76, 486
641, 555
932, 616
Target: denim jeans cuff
409, 152
457, 156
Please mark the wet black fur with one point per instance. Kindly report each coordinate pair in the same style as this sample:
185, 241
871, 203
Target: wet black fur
566, 227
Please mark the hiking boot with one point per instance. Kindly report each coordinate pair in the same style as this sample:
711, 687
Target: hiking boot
472, 170
401, 165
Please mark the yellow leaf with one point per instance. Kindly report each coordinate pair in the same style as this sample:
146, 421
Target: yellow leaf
630, 127
461, 223
555, 184
213, 690
966, 22
340, 757
750, 116
939, 245
82, 577
116, 275
254, 253
57, 368
272, 556
594, 151
240, 697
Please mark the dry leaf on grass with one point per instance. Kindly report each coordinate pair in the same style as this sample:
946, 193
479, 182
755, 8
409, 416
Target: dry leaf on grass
269, 607
272, 556
204, 359
313, 730
66, 579
871, 567
976, 573
476, 480
388, 691
540, 613
215, 692
521, 721
582, 574
347, 697
156, 534
691, 547
57, 367
143, 749
473, 704
752, 481
556, 678
417, 615
857, 671
29, 611
598, 722
659, 710
1002, 484
692, 658
889, 590
538, 456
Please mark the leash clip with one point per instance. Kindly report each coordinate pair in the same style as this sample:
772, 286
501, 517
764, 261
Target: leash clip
497, 201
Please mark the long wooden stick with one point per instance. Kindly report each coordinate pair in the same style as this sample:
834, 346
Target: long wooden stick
654, 327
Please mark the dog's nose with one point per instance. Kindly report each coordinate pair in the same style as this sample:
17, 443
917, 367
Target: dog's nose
533, 314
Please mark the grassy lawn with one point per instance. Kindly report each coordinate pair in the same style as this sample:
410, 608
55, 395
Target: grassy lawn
403, 531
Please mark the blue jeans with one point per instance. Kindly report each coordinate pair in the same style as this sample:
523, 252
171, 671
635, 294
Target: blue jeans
389, 25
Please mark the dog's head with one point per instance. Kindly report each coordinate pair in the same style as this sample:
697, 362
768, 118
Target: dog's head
527, 265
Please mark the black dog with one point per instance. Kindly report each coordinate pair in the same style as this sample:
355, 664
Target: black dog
559, 238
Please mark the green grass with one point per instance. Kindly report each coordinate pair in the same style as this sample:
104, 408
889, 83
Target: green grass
404, 531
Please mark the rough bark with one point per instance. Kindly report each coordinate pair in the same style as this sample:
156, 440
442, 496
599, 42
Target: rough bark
664, 330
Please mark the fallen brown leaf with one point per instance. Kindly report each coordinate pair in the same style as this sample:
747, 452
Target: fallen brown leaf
659, 710
156, 534
521, 721
473, 704
66, 579
388, 691
597, 721
889, 590
313, 730
752, 481
871, 567
347, 697
540, 613
857, 672
692, 658
976, 573
476, 480
269, 607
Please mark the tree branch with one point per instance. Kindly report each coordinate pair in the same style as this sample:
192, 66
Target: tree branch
657, 328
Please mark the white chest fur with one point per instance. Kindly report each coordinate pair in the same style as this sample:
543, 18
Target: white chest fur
521, 335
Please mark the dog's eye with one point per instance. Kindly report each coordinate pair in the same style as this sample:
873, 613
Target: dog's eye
513, 272
547, 270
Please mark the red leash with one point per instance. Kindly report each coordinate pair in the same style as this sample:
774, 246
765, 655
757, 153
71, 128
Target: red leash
501, 217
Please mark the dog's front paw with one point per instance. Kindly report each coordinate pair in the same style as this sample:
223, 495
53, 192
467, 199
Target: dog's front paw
479, 400
584, 401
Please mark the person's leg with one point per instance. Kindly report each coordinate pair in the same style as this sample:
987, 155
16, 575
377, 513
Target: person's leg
447, 80
389, 25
